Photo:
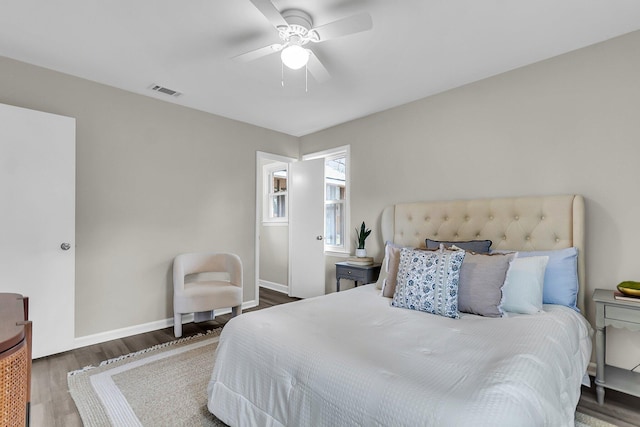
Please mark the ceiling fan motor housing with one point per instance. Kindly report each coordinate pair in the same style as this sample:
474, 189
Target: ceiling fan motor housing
299, 29
298, 18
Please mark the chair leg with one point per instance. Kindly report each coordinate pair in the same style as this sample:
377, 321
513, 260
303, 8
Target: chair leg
177, 325
235, 311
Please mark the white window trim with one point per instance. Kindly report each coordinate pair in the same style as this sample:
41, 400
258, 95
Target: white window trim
267, 171
326, 154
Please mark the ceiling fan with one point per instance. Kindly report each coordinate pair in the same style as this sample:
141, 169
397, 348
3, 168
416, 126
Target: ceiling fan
296, 30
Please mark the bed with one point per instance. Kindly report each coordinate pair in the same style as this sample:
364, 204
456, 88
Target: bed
351, 358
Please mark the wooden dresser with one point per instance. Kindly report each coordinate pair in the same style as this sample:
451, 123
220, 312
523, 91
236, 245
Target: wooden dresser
15, 360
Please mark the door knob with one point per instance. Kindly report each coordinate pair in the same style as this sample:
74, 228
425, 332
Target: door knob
65, 246
319, 237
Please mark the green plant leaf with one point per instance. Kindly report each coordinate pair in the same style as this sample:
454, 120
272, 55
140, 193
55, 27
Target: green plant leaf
362, 235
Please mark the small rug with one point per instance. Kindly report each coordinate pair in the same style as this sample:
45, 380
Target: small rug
584, 420
165, 385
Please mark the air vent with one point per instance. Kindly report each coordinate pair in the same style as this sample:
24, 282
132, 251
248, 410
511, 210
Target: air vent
165, 90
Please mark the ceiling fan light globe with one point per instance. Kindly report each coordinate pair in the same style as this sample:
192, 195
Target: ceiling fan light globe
294, 57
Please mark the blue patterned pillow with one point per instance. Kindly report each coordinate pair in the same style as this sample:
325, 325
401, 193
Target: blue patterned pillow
428, 281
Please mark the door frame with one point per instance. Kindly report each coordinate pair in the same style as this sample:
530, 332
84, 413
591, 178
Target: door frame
260, 156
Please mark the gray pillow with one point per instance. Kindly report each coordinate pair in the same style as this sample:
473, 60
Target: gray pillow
481, 280
477, 246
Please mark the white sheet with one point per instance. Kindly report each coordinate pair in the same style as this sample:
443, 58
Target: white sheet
349, 358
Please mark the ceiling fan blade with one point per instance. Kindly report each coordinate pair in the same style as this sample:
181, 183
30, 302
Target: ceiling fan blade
342, 27
258, 53
317, 70
270, 12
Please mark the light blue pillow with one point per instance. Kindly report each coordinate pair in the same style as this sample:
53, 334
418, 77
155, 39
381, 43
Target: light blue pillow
428, 281
561, 276
522, 290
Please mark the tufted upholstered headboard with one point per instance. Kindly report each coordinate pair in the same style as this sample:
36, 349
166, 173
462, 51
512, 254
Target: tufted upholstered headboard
514, 223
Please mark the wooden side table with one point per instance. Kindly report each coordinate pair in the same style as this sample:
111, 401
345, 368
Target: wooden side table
620, 314
357, 273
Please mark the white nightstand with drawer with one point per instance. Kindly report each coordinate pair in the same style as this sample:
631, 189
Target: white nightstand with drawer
619, 314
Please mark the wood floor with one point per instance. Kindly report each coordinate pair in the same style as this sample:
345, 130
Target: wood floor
619, 408
51, 403
52, 406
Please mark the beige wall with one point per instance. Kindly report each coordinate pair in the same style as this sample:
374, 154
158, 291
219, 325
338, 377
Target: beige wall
274, 254
566, 125
274, 239
153, 180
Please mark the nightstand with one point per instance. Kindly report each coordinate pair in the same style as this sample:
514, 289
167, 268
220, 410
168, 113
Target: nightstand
620, 314
357, 273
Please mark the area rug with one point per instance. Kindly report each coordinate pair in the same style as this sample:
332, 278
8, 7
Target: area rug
164, 385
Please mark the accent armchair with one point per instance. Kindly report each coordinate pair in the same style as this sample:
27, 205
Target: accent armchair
204, 282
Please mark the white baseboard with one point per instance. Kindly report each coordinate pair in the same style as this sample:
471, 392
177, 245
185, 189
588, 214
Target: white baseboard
274, 286
145, 327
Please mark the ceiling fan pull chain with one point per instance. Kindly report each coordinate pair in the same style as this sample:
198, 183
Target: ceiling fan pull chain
282, 73
306, 78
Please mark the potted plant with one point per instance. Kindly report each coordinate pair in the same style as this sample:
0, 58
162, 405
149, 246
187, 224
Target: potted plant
362, 235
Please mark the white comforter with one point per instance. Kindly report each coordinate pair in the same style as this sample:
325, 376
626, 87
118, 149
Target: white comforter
349, 358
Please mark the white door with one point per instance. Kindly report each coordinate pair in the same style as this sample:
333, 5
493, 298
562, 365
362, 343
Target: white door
306, 229
37, 218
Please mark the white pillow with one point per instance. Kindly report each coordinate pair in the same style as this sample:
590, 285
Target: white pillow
522, 290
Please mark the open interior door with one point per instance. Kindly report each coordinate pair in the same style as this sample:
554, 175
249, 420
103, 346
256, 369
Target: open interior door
37, 221
306, 229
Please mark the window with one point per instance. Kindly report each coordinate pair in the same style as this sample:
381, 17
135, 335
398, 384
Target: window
334, 205
275, 191
336, 212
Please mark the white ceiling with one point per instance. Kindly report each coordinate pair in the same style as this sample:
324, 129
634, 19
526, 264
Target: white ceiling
416, 48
